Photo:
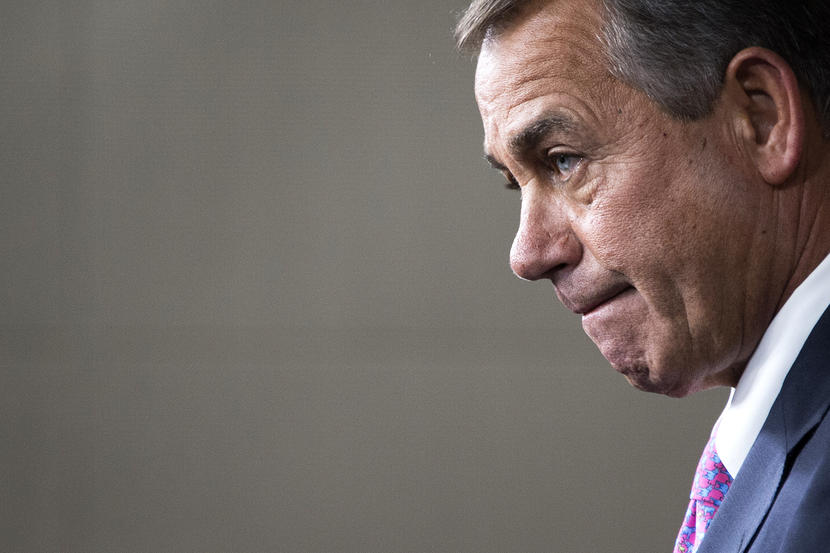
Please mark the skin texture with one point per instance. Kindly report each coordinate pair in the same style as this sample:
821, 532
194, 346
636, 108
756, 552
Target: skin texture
676, 241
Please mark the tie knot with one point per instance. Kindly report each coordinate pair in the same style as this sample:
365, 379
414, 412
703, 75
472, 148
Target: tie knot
712, 480
708, 489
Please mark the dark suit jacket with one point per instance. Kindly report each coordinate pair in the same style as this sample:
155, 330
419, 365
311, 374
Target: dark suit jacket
780, 500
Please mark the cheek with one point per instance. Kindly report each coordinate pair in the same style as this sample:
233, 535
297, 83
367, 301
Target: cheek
626, 231
647, 211
640, 235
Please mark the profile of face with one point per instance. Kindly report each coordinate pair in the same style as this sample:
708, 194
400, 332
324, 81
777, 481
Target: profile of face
646, 225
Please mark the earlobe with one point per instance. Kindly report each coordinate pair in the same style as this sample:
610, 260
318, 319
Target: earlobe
768, 110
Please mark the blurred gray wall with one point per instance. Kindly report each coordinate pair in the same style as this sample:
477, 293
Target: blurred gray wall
255, 297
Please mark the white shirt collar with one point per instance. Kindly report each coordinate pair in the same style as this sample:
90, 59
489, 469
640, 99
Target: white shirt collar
752, 398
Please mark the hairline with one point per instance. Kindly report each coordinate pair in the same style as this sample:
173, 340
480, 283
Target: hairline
471, 36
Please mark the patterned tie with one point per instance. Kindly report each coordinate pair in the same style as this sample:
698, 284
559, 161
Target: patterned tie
708, 489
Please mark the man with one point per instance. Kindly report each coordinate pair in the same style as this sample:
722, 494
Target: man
675, 182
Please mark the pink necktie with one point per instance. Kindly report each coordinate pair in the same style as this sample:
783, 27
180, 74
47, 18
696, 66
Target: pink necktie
708, 489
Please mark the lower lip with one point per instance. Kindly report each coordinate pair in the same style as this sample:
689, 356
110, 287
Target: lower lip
610, 305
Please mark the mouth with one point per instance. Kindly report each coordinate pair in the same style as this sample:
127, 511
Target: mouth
601, 300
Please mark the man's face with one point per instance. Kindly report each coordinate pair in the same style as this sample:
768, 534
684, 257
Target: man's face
644, 224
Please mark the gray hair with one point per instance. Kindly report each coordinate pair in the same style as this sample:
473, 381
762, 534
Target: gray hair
677, 51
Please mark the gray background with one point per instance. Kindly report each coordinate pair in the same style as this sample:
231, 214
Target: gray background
255, 297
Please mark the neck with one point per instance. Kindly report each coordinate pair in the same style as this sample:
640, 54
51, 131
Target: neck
810, 243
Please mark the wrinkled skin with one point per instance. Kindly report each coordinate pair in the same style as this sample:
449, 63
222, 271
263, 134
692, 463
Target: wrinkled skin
653, 229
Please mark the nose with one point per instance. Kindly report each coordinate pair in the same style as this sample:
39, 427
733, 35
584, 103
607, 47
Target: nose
545, 241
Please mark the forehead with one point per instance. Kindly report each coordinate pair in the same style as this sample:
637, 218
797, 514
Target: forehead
549, 58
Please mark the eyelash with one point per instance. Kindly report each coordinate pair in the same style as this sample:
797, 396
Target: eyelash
550, 161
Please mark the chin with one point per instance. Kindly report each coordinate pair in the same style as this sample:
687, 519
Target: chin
644, 379
666, 378
644, 360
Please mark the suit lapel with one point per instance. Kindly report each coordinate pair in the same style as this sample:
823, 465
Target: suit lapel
801, 404
752, 492
805, 396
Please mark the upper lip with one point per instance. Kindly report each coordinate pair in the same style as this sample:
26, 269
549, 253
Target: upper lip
595, 299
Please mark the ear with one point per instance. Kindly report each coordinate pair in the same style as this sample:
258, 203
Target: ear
766, 100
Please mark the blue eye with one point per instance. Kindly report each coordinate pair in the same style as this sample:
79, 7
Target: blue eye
565, 163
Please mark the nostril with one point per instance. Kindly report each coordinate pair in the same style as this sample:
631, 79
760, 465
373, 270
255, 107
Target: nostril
526, 256
526, 266
540, 254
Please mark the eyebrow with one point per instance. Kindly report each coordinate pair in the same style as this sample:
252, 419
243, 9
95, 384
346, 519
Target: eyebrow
494, 163
530, 137
534, 133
